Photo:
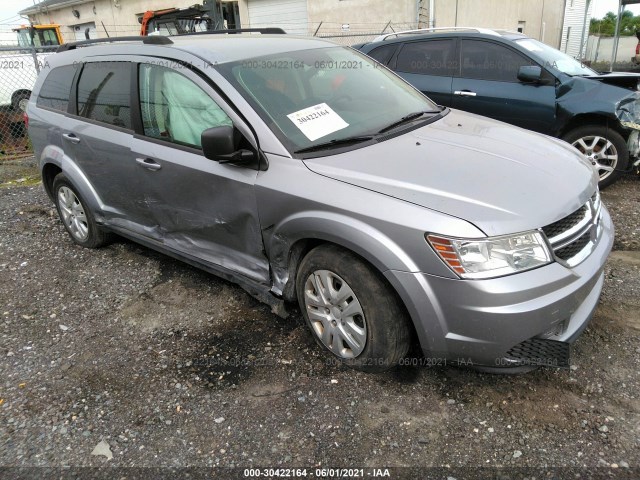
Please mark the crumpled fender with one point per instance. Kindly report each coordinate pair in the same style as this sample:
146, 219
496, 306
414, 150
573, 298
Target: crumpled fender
363, 239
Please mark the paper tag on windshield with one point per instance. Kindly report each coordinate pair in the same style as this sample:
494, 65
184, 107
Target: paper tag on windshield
317, 121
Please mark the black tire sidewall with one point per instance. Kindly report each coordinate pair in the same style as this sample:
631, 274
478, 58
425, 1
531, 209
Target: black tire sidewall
388, 334
614, 137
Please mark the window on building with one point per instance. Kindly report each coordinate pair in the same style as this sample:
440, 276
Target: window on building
521, 26
566, 43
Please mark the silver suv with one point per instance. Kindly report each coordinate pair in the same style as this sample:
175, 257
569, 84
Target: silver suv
306, 172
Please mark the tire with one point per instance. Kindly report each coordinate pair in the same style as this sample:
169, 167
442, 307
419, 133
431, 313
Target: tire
77, 219
590, 140
376, 334
19, 101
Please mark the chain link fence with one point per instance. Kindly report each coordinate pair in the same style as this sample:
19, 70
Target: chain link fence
19, 68
349, 34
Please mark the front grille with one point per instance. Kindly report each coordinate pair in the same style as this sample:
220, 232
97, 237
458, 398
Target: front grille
574, 237
574, 248
565, 223
540, 352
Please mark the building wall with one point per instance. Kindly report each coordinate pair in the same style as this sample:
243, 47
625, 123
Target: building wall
120, 17
543, 18
362, 11
572, 28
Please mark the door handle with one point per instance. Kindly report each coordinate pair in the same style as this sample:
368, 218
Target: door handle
465, 93
148, 163
70, 137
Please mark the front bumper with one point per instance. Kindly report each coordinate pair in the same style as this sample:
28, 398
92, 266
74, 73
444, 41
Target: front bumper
478, 322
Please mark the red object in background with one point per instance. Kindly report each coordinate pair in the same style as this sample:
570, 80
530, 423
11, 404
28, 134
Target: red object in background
26, 120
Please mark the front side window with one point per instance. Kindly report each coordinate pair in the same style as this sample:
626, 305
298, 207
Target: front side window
489, 61
103, 93
550, 57
174, 108
435, 57
56, 88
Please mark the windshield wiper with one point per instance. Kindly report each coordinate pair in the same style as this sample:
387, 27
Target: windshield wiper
336, 143
408, 118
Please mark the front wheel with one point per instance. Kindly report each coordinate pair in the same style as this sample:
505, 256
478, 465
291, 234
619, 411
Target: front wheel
604, 147
350, 310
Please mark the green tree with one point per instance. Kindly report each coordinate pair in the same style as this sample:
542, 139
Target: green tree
606, 26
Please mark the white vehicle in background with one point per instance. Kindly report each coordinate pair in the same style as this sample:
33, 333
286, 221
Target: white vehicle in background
18, 74
19, 66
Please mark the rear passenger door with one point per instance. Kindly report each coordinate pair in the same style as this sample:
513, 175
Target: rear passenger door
429, 65
98, 133
488, 85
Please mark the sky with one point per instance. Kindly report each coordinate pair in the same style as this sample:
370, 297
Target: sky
9, 10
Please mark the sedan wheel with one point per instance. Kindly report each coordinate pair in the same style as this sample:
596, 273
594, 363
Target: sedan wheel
335, 314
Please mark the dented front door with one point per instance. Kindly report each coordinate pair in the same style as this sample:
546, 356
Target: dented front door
193, 205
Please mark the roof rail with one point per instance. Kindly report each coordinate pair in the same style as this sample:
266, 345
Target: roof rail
264, 31
149, 40
382, 38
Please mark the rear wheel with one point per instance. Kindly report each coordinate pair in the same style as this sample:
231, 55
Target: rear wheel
351, 311
76, 217
604, 147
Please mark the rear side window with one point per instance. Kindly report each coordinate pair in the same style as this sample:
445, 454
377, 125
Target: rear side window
103, 93
435, 57
56, 88
490, 61
383, 54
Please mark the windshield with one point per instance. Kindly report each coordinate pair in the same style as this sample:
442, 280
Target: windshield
311, 97
42, 36
550, 57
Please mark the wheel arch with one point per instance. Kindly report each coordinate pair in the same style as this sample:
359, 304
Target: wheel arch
296, 237
303, 246
54, 161
586, 119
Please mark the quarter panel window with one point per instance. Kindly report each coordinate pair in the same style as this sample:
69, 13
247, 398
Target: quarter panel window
489, 61
383, 54
174, 108
434, 57
56, 88
103, 93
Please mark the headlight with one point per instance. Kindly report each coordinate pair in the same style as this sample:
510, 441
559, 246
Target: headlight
492, 257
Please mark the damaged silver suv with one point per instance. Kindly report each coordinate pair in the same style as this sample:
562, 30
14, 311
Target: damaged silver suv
306, 172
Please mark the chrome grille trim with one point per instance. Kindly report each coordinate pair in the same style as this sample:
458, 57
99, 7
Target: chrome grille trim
574, 237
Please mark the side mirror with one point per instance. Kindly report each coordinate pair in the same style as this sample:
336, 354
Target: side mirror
219, 144
529, 73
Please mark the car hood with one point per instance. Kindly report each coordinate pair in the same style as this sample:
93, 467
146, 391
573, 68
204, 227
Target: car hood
624, 80
500, 178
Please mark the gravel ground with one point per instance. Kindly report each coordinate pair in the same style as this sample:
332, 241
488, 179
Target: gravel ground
171, 367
